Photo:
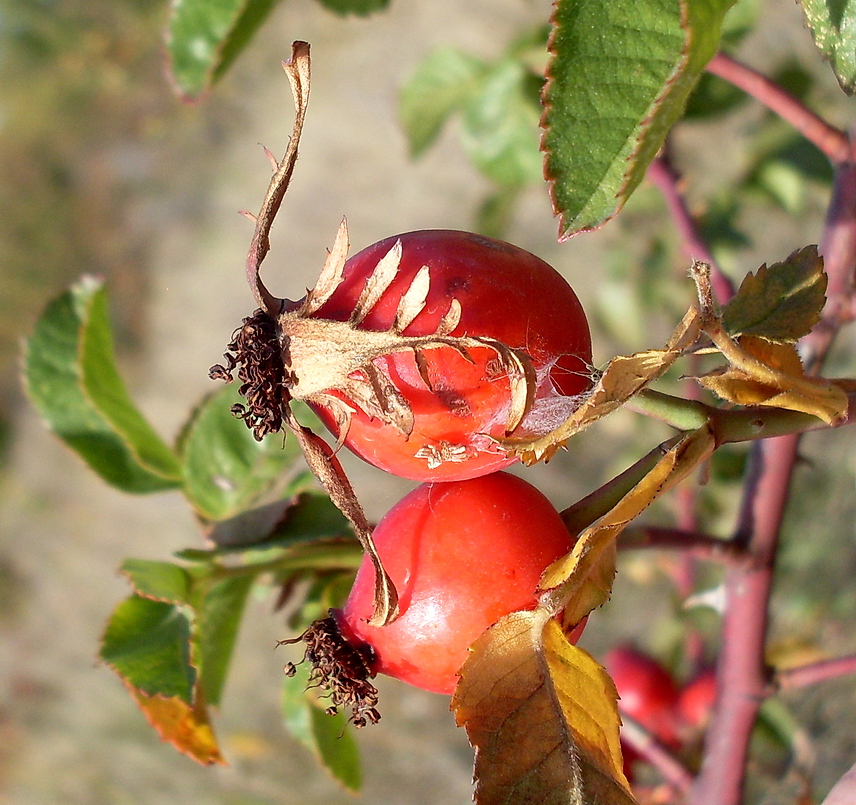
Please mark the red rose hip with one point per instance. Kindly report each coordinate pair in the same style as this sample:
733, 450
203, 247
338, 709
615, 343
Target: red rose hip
462, 555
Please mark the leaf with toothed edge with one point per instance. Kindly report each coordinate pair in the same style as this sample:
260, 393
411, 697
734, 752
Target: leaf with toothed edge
618, 79
542, 716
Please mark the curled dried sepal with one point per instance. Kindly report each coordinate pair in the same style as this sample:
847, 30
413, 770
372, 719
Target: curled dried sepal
341, 669
623, 378
297, 68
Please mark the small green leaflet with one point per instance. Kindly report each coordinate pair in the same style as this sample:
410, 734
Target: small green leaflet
71, 377
148, 644
618, 79
782, 302
833, 26
226, 470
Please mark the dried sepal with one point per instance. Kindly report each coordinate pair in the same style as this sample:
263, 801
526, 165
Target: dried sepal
377, 283
623, 378
326, 467
331, 275
451, 319
412, 301
297, 68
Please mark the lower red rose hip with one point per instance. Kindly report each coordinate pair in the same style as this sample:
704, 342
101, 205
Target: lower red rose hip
462, 555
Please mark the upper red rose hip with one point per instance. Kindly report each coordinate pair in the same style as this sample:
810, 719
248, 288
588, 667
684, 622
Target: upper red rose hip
460, 399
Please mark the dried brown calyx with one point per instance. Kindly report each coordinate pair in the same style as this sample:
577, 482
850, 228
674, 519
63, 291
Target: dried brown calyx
340, 668
255, 352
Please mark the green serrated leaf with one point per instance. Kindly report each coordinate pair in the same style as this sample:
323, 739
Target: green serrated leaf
204, 37
329, 738
618, 79
148, 644
218, 609
440, 86
226, 470
71, 377
160, 581
781, 302
833, 26
360, 8
500, 126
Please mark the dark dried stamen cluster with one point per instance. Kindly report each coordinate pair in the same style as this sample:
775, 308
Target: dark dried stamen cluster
254, 350
339, 668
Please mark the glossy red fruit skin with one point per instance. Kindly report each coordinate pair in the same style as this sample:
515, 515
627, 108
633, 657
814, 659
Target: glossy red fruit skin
697, 699
649, 695
505, 293
461, 554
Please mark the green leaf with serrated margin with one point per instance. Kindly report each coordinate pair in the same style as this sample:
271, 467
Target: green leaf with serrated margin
147, 643
360, 8
440, 86
329, 738
781, 302
500, 126
160, 581
71, 377
833, 26
218, 608
618, 79
204, 37
226, 470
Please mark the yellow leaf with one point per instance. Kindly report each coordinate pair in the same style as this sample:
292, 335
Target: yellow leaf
542, 717
763, 373
582, 580
624, 378
187, 728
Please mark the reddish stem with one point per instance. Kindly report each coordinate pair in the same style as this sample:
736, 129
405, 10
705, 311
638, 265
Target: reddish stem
816, 672
667, 181
672, 770
742, 673
700, 546
829, 139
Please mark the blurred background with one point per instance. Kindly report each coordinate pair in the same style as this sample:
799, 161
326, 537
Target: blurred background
105, 172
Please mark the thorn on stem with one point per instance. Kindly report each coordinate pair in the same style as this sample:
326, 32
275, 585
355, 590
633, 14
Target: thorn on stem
274, 162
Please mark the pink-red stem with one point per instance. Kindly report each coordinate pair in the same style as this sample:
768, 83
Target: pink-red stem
829, 139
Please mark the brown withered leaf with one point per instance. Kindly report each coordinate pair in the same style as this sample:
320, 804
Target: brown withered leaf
331, 274
542, 717
412, 300
377, 283
781, 302
763, 373
582, 580
623, 378
187, 728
